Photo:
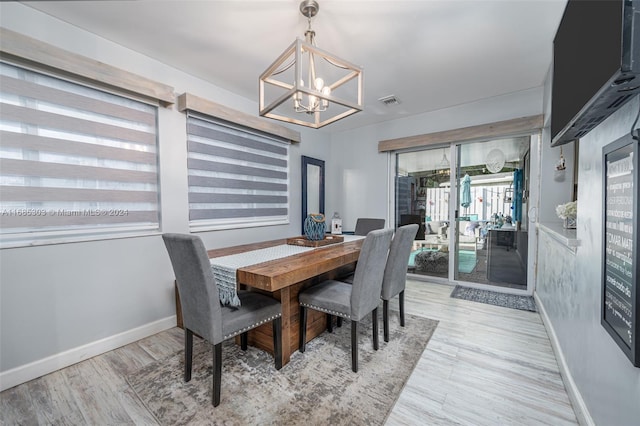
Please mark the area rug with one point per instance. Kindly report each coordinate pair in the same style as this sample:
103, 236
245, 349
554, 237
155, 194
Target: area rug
316, 387
524, 303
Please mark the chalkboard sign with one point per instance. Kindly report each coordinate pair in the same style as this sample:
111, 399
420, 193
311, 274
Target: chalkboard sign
620, 295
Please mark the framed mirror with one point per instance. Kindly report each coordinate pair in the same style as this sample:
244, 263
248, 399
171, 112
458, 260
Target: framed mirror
312, 187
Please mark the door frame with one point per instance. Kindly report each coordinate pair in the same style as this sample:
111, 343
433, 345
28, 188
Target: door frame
535, 140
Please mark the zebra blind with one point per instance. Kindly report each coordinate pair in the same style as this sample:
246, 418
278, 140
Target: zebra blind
237, 177
73, 159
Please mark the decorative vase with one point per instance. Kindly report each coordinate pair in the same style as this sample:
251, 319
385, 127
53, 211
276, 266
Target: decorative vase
569, 223
314, 227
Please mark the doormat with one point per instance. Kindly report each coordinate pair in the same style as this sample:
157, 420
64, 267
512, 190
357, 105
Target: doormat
513, 301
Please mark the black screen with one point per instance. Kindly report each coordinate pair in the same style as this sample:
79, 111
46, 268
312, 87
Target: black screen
587, 52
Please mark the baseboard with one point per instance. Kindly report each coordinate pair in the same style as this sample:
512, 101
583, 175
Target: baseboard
579, 406
33, 370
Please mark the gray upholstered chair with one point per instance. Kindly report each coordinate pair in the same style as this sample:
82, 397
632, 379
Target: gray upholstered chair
395, 272
355, 301
365, 225
203, 314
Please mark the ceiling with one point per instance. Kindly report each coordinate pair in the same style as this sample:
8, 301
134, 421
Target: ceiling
430, 54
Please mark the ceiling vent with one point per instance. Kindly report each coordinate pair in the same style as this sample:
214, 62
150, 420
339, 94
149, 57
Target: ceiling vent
390, 100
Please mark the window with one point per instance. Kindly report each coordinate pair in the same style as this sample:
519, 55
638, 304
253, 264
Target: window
238, 177
73, 160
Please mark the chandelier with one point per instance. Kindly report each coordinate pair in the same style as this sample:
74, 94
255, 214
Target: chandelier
310, 86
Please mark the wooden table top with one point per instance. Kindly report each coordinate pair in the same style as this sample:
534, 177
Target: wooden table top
277, 274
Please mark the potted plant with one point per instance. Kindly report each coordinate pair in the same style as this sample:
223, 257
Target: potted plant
568, 213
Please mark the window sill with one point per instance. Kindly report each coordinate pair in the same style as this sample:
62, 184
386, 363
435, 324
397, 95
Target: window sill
566, 237
206, 227
59, 239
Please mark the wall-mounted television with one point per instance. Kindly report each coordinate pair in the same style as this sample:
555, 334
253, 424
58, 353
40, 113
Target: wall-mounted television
596, 65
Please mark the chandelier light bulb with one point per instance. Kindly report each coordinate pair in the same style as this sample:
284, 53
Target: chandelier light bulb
314, 103
326, 91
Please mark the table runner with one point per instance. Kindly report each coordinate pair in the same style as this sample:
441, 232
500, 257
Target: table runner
224, 268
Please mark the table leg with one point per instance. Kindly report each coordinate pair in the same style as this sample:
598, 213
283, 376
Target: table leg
261, 337
285, 301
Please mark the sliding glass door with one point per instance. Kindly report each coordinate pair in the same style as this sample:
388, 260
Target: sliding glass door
422, 197
491, 236
475, 232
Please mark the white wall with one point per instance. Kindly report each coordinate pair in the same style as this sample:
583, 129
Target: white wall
363, 173
63, 303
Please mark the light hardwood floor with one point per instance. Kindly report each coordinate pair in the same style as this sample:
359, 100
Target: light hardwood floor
484, 365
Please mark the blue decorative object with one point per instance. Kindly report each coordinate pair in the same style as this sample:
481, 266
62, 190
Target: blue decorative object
518, 191
314, 227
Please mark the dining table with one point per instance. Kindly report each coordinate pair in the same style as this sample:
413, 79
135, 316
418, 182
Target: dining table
284, 279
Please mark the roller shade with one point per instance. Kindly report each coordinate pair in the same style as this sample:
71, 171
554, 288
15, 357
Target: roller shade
73, 159
237, 177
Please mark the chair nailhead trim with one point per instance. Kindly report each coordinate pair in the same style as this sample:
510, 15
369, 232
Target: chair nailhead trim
228, 336
328, 311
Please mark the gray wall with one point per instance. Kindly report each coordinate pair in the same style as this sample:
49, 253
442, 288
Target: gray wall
606, 380
555, 191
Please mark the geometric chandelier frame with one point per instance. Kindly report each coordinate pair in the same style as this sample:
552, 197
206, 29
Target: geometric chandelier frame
333, 88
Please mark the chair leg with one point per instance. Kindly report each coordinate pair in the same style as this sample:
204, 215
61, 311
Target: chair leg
354, 346
303, 328
277, 342
401, 300
330, 323
374, 319
385, 319
188, 353
243, 340
217, 373
339, 322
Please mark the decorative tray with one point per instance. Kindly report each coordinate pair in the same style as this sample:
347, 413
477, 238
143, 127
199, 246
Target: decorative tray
302, 241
